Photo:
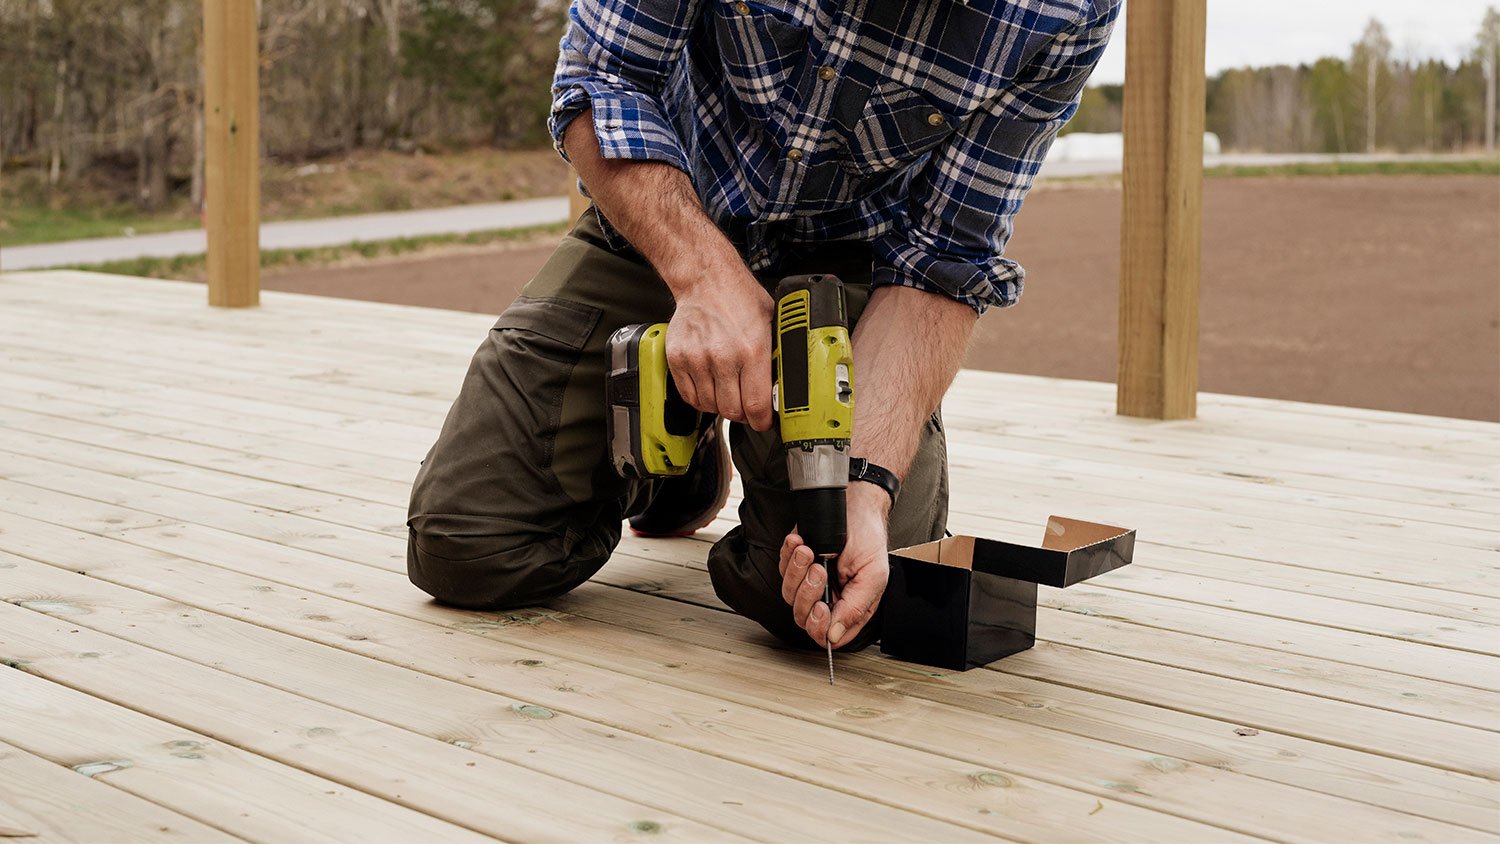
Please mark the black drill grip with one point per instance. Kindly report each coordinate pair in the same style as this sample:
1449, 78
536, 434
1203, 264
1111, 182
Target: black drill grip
822, 522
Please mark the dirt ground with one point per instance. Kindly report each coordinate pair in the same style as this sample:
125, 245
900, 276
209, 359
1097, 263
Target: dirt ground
1369, 291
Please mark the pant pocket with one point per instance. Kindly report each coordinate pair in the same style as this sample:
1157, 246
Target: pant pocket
565, 324
493, 457
538, 344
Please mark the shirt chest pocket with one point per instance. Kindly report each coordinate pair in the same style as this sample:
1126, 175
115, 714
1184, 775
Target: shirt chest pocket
898, 126
758, 51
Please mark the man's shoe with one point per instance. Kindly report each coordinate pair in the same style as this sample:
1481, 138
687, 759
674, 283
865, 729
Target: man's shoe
683, 505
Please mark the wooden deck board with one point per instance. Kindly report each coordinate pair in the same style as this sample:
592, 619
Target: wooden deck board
1305, 649
588, 715
432, 776
188, 772
43, 802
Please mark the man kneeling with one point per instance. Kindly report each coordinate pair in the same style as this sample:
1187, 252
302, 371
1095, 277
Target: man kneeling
725, 146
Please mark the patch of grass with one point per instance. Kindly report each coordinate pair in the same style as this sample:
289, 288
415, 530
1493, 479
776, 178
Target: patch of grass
96, 203
193, 267
175, 268
1413, 167
40, 224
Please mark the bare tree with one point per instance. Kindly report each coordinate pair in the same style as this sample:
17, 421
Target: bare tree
1487, 51
1371, 54
390, 20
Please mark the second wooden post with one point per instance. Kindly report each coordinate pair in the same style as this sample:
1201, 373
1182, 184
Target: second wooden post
231, 105
1162, 228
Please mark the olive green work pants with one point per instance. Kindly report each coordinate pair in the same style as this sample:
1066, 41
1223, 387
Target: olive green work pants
517, 501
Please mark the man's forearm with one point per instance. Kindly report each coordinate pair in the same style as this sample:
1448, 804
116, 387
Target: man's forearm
654, 206
907, 347
719, 340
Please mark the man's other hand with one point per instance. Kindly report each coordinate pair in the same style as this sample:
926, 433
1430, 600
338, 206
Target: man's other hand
864, 569
719, 348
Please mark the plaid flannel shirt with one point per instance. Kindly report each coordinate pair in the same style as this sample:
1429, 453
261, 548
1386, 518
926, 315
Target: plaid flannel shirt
916, 125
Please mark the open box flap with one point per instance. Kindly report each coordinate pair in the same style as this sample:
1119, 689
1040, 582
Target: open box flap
1065, 534
1072, 551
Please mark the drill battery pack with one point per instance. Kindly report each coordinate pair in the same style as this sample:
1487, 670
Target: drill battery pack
652, 430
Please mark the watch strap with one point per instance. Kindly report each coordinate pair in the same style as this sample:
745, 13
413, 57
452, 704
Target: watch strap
861, 469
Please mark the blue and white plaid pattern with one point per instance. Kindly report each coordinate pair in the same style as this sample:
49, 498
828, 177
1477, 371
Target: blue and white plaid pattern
917, 125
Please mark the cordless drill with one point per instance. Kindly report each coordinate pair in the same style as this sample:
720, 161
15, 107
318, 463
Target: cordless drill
814, 398
653, 431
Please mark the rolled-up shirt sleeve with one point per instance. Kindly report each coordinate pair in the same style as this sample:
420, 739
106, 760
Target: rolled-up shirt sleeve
963, 201
615, 57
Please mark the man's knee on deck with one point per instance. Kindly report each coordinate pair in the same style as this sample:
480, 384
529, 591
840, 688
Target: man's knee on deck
492, 563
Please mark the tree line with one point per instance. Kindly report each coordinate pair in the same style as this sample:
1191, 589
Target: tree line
104, 88
1366, 101
91, 87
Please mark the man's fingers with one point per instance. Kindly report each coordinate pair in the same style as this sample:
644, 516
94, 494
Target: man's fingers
691, 370
817, 623
703, 382
852, 612
685, 386
808, 594
795, 572
788, 545
755, 393
727, 397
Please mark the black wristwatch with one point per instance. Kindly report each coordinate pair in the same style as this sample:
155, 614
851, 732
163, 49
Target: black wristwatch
861, 469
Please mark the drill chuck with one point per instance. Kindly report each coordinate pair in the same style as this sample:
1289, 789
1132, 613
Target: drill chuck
821, 519
818, 475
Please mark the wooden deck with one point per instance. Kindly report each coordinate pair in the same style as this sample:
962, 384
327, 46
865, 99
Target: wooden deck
213, 638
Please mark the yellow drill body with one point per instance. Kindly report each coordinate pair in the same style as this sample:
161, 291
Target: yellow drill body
653, 432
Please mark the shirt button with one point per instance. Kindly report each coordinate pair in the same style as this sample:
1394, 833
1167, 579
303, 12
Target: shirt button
742, 8
794, 155
935, 119
826, 73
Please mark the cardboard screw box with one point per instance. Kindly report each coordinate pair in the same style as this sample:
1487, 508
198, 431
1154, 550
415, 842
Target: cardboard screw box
965, 601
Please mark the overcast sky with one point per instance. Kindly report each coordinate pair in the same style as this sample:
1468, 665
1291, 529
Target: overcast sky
1265, 32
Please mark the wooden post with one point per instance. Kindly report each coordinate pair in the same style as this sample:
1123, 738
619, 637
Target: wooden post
1162, 228
231, 93
577, 202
